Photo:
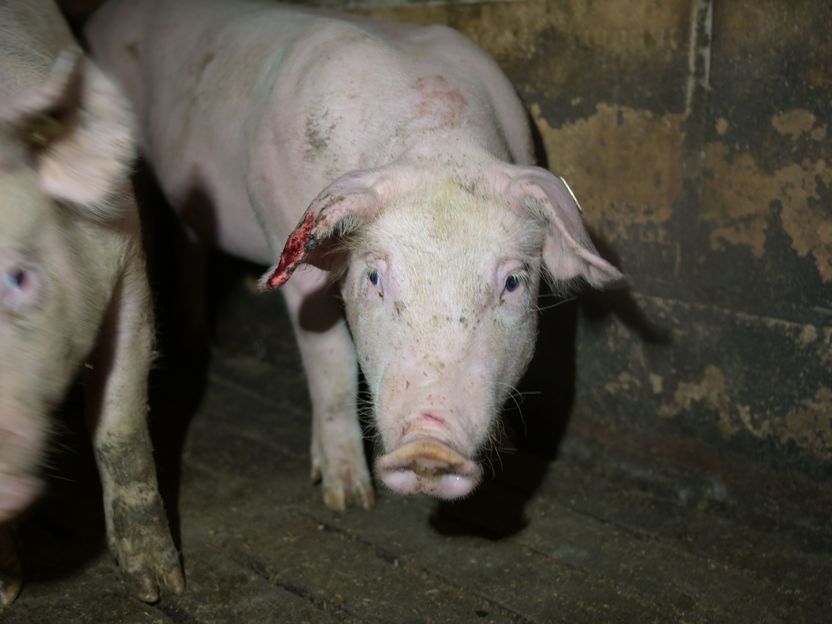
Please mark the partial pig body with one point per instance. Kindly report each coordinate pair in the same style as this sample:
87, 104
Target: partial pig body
396, 157
73, 289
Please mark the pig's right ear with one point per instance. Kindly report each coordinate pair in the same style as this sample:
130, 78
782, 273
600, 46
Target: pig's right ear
568, 251
79, 130
351, 200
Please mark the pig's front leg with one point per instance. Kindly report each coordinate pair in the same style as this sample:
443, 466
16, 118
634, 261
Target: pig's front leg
332, 370
10, 576
137, 527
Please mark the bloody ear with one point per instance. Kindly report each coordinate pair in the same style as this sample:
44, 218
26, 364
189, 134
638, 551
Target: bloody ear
355, 197
568, 251
79, 129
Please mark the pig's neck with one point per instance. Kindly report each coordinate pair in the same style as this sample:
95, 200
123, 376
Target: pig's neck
451, 150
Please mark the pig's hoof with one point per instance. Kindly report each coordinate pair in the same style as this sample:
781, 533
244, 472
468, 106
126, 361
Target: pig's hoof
344, 484
9, 588
141, 542
148, 583
10, 576
153, 574
338, 462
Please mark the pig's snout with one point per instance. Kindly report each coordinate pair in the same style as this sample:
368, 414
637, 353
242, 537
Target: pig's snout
427, 466
18, 459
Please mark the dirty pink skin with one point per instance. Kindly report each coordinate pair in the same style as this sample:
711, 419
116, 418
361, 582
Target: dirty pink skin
73, 290
411, 142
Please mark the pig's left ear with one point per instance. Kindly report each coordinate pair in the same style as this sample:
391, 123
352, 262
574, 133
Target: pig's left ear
568, 251
349, 201
80, 131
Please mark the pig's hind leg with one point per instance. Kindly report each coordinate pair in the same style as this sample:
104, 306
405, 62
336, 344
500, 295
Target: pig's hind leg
137, 526
332, 370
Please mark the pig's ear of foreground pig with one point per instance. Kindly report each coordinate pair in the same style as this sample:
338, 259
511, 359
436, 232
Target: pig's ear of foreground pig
347, 203
81, 132
568, 252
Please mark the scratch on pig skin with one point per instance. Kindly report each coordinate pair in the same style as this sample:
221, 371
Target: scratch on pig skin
300, 243
438, 99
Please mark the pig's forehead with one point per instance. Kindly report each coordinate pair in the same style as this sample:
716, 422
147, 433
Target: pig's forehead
444, 218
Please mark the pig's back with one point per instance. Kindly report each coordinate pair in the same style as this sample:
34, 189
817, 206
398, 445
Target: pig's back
192, 70
375, 87
230, 91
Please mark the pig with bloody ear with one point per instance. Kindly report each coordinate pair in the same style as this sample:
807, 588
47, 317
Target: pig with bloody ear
410, 152
73, 289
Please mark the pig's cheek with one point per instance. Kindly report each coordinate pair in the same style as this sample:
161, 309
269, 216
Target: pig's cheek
372, 339
515, 334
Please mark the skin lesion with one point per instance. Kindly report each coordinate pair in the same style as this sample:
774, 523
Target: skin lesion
437, 99
299, 244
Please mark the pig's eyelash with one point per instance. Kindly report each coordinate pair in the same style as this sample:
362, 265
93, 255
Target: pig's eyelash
560, 302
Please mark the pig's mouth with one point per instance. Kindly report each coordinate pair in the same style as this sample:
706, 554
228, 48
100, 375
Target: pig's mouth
428, 466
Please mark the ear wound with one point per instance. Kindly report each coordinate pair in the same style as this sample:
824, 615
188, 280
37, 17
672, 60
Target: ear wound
301, 241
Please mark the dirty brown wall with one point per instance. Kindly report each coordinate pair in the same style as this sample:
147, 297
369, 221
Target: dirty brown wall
696, 135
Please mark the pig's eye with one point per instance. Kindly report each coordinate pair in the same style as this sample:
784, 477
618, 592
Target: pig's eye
14, 279
373, 277
512, 283
18, 288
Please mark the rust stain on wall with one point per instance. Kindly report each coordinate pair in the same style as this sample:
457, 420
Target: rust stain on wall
806, 219
624, 383
810, 424
826, 354
758, 427
712, 391
656, 383
738, 198
798, 121
735, 199
623, 163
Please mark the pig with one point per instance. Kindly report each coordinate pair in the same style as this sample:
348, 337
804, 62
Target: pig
391, 161
73, 290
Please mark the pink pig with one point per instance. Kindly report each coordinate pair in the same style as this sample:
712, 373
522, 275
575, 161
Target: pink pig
73, 289
411, 153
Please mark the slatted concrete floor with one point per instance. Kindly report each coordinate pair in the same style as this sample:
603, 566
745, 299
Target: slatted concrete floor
567, 541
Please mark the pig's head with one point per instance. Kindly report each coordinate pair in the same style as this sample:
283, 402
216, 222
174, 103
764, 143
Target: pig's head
65, 147
440, 291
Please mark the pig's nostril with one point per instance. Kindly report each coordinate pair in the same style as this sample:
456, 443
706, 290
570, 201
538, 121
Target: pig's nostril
427, 466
